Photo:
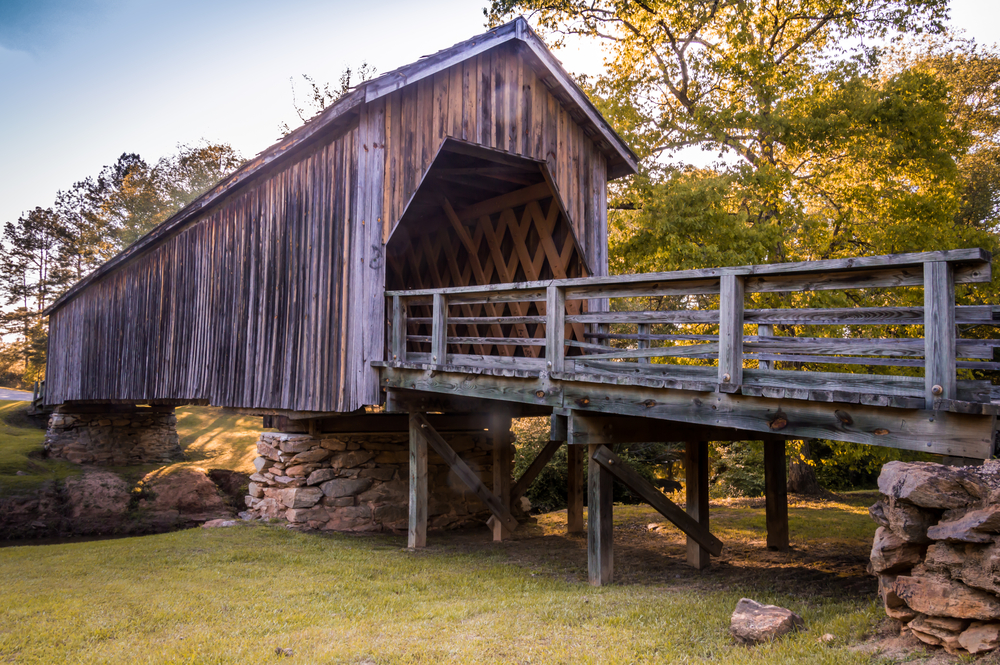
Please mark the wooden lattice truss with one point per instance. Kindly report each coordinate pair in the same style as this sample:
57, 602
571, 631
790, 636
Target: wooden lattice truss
476, 246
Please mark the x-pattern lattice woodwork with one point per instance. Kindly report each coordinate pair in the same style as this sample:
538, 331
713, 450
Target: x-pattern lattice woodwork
524, 243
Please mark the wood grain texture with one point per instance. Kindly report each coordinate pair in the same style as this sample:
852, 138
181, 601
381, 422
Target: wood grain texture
696, 489
776, 495
600, 520
417, 533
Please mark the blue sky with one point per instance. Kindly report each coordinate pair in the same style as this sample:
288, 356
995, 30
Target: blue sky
83, 81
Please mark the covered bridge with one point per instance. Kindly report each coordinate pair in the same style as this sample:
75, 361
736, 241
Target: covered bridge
394, 281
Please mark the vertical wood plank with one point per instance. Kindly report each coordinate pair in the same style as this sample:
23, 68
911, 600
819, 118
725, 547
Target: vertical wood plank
574, 489
439, 330
643, 329
600, 522
503, 454
765, 330
776, 495
555, 328
731, 333
939, 332
417, 533
398, 330
696, 488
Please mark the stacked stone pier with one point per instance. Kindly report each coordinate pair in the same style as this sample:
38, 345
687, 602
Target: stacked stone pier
113, 434
937, 552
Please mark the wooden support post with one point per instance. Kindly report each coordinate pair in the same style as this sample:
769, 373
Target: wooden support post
417, 533
730, 333
503, 454
939, 332
462, 470
696, 487
574, 491
766, 330
776, 495
439, 330
398, 336
643, 329
655, 498
555, 328
600, 520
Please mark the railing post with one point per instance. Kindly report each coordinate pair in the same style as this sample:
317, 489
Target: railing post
439, 330
765, 330
643, 329
939, 332
398, 332
730, 333
555, 328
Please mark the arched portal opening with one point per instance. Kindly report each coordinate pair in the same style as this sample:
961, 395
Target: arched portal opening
484, 217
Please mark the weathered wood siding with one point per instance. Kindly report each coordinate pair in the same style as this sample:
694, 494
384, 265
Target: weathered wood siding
274, 298
496, 100
246, 307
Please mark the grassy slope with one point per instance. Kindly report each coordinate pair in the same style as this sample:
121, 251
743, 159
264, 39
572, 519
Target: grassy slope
234, 595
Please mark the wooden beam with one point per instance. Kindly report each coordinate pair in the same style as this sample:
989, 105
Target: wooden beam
939, 332
591, 428
497, 204
417, 533
696, 488
398, 335
776, 495
607, 460
600, 520
462, 470
502, 456
939, 432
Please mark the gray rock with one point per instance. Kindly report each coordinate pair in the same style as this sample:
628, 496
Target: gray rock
321, 476
345, 486
890, 553
980, 637
312, 455
936, 595
976, 526
930, 485
301, 497
753, 622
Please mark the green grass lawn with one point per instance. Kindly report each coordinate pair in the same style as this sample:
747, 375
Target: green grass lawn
235, 595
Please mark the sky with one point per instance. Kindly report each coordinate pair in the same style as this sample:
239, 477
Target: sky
82, 81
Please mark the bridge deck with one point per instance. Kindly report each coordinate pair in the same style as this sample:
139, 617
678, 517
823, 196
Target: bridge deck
615, 358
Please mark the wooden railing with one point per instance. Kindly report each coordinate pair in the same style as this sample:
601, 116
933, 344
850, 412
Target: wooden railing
699, 347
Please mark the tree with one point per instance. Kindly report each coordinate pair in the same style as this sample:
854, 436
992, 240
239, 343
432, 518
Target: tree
319, 97
828, 144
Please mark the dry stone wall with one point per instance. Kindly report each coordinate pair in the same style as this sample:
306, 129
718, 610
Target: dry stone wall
937, 552
359, 482
112, 435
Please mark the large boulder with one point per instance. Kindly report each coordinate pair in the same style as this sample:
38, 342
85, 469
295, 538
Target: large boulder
931, 485
182, 496
904, 519
97, 502
753, 622
980, 637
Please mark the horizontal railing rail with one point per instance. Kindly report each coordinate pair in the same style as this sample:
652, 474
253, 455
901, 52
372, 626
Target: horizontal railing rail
562, 327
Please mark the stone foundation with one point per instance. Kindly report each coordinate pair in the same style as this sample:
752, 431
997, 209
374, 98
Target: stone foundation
937, 552
113, 435
359, 482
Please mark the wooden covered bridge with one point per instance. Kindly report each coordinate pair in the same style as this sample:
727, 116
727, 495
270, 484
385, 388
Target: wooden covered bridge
435, 243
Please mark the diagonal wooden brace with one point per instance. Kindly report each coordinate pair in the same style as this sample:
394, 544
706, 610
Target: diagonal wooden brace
462, 470
529, 475
654, 497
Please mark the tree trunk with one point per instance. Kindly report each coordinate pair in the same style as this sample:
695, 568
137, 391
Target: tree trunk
801, 475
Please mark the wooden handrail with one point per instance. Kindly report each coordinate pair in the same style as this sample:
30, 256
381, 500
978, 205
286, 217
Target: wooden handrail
938, 352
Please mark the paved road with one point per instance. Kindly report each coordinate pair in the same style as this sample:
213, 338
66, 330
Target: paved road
22, 395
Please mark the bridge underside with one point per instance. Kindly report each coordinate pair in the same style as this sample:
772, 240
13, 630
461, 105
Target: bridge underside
592, 412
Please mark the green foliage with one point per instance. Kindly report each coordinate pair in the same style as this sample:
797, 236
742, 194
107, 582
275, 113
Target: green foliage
548, 492
738, 469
